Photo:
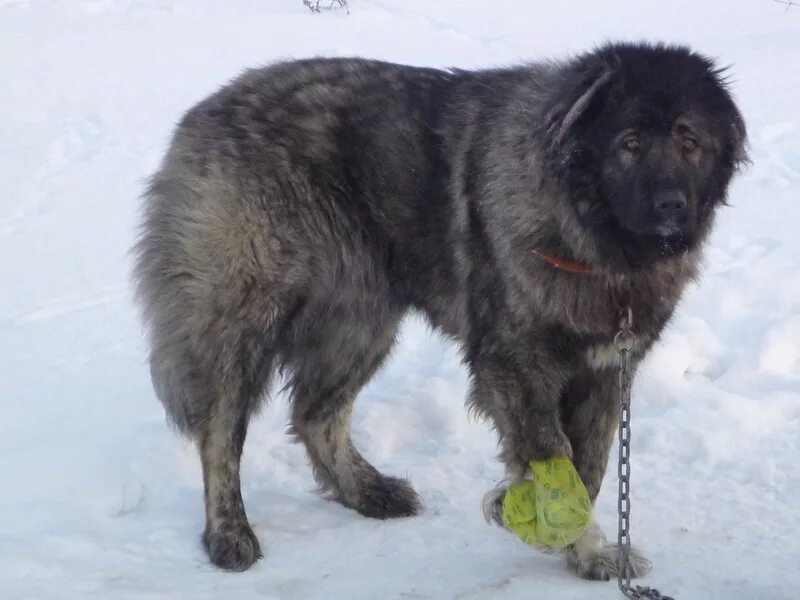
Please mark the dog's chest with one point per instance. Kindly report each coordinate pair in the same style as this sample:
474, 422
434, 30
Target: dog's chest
604, 355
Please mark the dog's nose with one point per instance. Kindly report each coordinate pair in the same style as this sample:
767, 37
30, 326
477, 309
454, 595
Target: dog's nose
670, 203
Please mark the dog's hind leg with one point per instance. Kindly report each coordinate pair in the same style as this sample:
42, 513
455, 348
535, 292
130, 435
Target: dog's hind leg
345, 345
228, 538
218, 271
233, 382
211, 399
212, 339
590, 408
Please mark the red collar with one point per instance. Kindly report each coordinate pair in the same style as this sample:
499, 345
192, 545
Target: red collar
572, 266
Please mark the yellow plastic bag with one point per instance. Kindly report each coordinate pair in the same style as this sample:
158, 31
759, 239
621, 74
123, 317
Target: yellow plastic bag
551, 510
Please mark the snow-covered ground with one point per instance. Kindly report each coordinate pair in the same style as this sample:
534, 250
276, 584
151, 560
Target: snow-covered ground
98, 498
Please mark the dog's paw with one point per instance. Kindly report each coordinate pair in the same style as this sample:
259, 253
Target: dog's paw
601, 564
493, 505
592, 557
388, 498
493, 513
232, 547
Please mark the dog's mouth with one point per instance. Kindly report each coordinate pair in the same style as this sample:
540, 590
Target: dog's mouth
675, 242
646, 245
670, 229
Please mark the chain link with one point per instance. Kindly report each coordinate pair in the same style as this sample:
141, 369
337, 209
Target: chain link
623, 342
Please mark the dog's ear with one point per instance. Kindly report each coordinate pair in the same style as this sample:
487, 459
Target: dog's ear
571, 102
738, 141
734, 151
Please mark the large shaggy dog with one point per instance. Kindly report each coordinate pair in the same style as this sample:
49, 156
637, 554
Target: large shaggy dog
305, 208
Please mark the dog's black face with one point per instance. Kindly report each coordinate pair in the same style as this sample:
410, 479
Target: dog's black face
648, 147
654, 181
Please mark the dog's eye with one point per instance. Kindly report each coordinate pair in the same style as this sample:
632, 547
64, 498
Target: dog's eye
631, 143
689, 144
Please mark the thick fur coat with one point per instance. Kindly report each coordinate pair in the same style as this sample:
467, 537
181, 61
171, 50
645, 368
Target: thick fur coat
302, 210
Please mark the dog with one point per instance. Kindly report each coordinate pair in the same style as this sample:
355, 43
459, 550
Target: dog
303, 209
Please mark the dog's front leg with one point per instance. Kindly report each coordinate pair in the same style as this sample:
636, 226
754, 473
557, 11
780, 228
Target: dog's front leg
519, 391
590, 409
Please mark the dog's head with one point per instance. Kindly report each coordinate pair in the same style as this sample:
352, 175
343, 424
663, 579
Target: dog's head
645, 139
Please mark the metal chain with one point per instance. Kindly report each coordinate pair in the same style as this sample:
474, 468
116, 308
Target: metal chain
623, 342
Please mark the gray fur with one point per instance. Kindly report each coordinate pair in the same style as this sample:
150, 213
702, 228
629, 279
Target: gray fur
592, 557
304, 208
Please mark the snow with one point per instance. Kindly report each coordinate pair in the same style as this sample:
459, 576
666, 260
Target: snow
100, 499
